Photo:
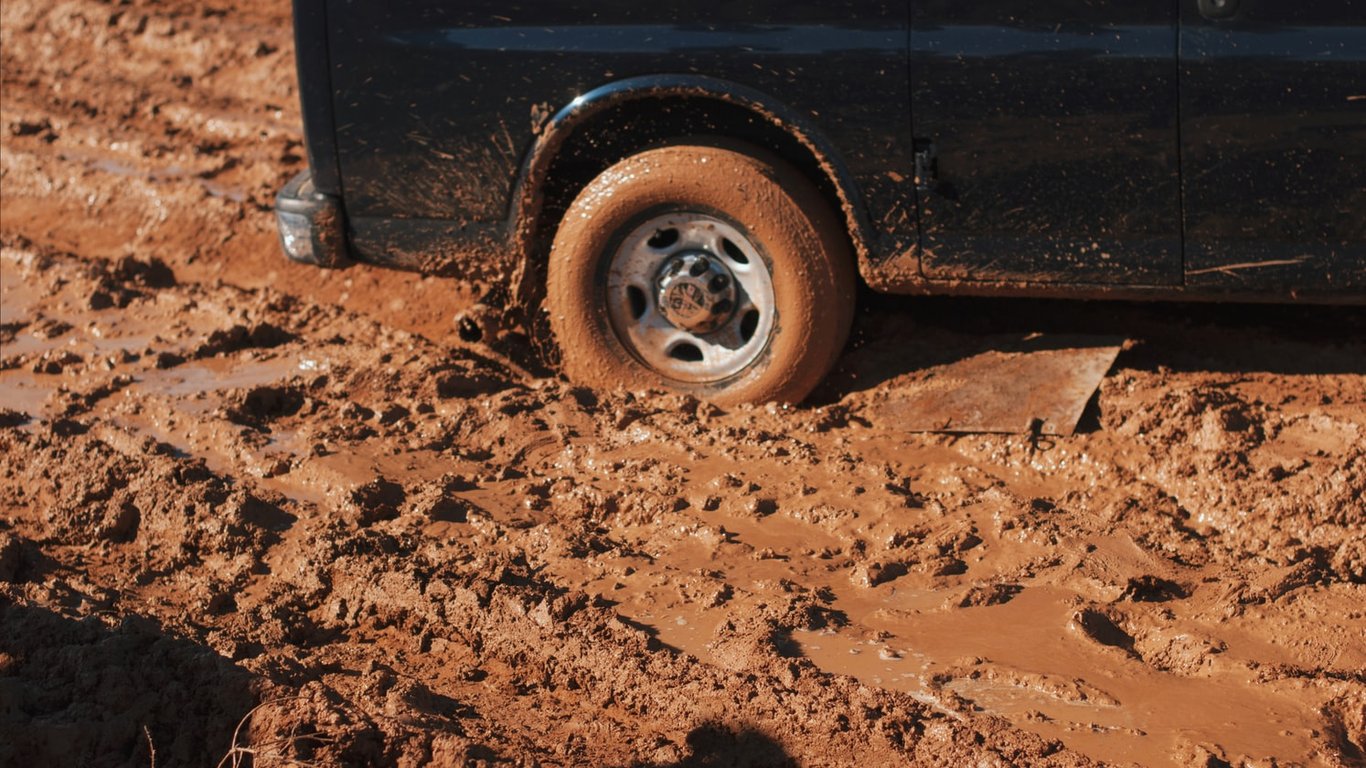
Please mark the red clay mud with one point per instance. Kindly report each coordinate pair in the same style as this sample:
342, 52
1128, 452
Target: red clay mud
255, 512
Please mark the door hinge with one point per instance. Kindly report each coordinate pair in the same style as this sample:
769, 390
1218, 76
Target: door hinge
926, 164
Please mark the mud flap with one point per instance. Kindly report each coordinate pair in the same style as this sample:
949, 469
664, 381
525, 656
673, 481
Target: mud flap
1038, 384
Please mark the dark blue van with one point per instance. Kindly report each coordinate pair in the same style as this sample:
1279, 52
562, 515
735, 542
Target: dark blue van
690, 190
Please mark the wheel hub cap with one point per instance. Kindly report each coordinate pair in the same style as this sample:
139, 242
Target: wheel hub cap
696, 292
690, 297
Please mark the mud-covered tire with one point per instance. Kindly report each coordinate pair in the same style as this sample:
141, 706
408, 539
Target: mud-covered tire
754, 205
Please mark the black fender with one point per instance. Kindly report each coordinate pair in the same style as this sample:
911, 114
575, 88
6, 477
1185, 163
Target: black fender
527, 202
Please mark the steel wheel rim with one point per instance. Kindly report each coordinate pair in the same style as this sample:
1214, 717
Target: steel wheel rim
636, 278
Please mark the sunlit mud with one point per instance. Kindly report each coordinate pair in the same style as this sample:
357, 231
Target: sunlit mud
248, 507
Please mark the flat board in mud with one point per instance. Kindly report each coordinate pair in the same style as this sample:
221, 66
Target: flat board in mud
691, 191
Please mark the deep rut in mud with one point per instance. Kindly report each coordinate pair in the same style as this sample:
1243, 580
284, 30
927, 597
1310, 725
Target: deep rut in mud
249, 508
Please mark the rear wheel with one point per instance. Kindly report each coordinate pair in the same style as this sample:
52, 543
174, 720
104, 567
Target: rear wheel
718, 271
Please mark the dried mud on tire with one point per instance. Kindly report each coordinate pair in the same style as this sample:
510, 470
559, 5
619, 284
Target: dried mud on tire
255, 513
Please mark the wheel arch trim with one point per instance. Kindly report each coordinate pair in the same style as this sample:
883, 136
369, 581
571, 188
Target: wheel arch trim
527, 201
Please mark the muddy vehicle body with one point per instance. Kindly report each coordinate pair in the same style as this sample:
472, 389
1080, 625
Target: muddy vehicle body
694, 199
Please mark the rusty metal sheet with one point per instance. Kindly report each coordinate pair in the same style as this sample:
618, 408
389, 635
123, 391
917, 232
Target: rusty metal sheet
1039, 383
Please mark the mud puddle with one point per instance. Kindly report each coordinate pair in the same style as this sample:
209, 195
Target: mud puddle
1024, 654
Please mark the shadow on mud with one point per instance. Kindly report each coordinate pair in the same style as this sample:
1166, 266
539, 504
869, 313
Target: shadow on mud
715, 746
894, 335
78, 692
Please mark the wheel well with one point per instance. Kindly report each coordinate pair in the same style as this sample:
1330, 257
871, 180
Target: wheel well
622, 130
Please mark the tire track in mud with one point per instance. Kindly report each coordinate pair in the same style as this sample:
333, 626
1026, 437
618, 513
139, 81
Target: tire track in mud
289, 588
777, 546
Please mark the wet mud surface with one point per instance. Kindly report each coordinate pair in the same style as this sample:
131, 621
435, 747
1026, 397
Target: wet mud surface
257, 513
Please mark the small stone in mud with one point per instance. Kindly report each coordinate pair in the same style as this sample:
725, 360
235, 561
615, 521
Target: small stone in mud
121, 523
1202, 755
718, 596
168, 360
479, 323
55, 361
761, 507
949, 566
266, 403
728, 480
707, 411
50, 328
623, 417
1151, 589
357, 411
149, 273
875, 573
989, 594
20, 128
452, 482
667, 754
1102, 629
100, 299
223, 341
64, 427
463, 384
471, 674
11, 418
277, 467
393, 413
584, 397
904, 538
707, 503
442, 508
377, 500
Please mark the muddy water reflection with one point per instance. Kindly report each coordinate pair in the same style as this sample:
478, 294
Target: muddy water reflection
1022, 655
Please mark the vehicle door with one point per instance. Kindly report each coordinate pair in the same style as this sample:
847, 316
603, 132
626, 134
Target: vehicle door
1047, 135
437, 103
1273, 137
